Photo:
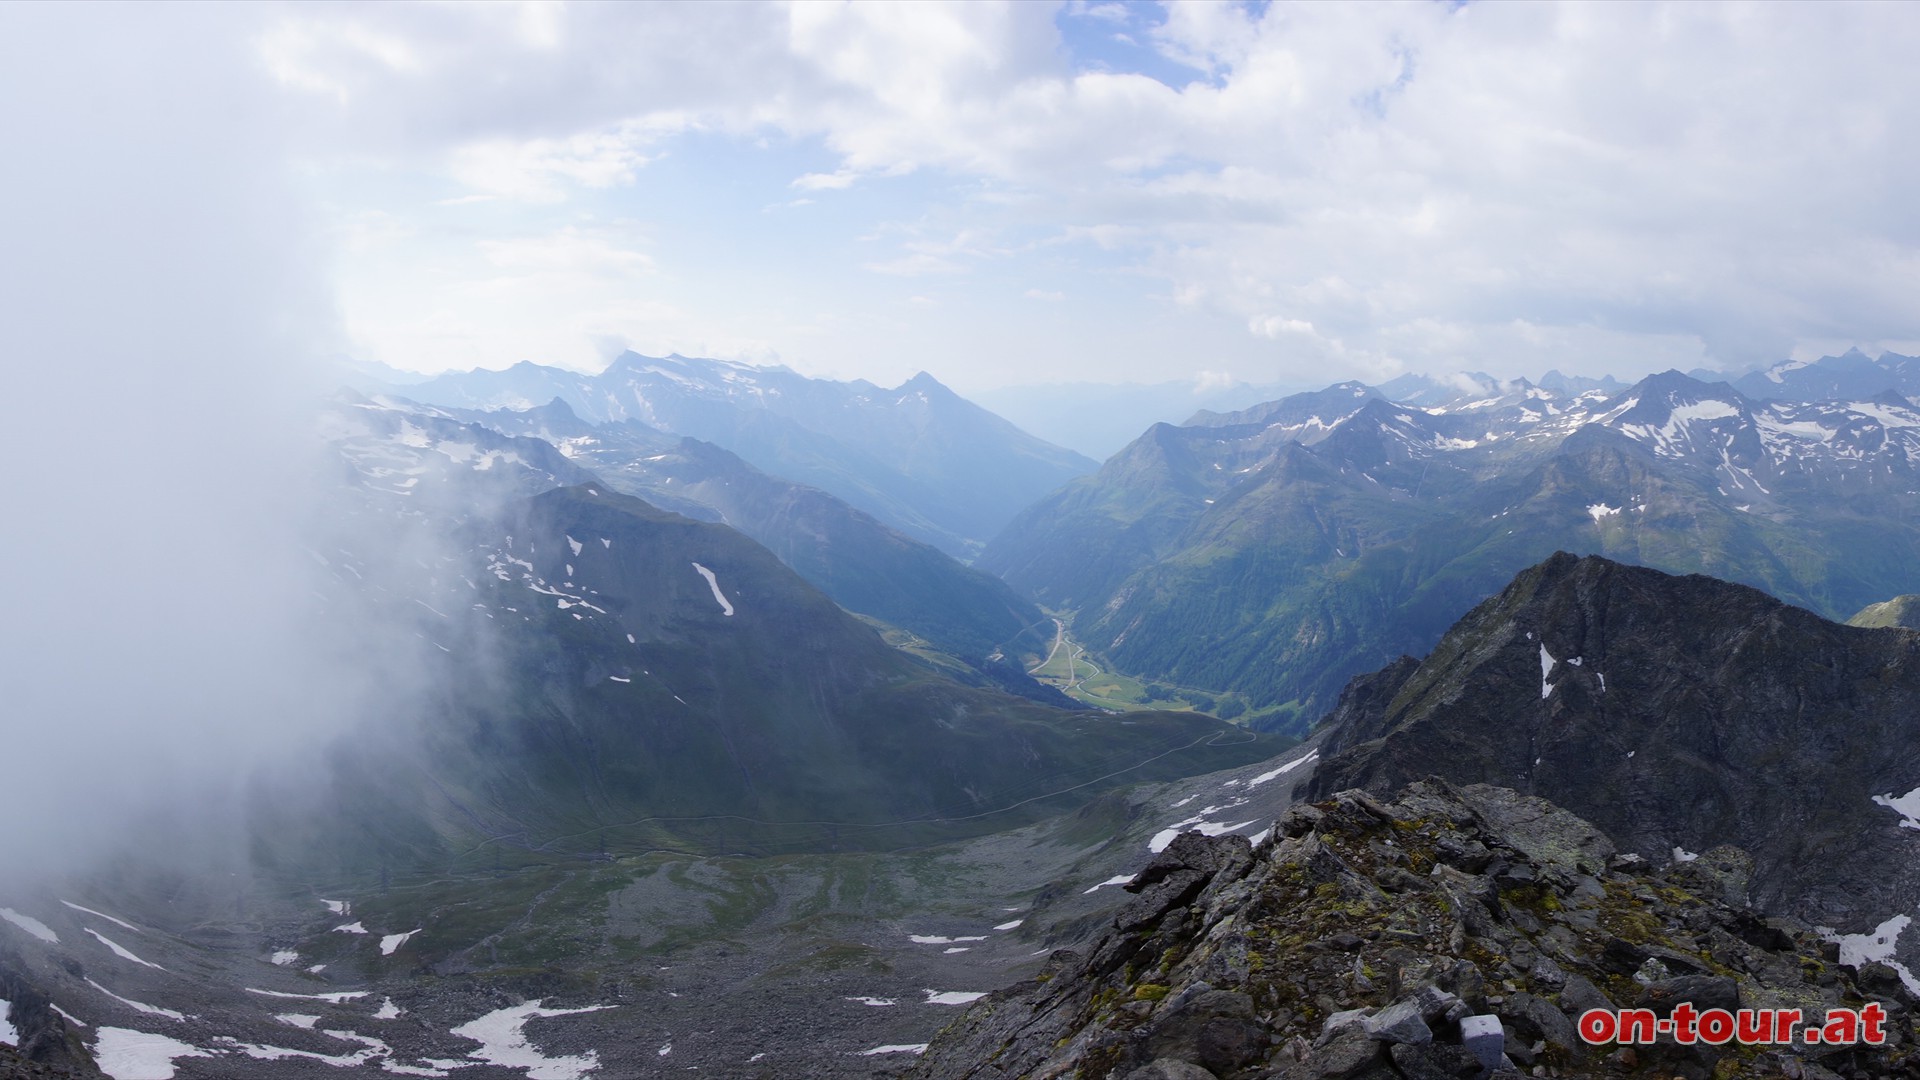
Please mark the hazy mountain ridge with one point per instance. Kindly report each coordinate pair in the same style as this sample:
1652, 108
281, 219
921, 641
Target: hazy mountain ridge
865, 566
1098, 418
1852, 374
647, 664
918, 457
1281, 550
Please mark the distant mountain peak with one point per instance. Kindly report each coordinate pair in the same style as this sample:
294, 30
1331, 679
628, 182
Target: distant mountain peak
924, 383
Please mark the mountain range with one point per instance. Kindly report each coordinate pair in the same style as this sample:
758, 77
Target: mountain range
1852, 374
607, 668
695, 759
917, 457
1279, 550
970, 622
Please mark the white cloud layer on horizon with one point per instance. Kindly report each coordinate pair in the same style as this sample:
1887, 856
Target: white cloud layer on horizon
1354, 188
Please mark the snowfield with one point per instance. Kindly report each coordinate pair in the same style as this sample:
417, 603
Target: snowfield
726, 606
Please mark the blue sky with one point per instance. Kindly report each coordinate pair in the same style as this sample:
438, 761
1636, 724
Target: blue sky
1021, 193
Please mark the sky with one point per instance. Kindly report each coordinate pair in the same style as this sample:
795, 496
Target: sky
1023, 193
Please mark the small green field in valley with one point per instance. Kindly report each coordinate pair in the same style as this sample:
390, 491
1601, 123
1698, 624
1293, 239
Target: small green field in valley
1086, 677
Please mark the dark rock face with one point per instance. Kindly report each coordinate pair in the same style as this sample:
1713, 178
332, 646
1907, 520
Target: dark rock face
1451, 933
1674, 713
48, 1047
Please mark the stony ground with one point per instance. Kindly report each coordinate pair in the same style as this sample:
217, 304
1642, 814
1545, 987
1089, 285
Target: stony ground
1455, 932
735, 967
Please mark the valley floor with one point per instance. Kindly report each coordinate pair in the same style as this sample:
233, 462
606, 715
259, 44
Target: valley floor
839, 965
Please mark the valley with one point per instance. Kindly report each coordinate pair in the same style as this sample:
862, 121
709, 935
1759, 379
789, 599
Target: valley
1068, 668
624, 965
799, 540
703, 769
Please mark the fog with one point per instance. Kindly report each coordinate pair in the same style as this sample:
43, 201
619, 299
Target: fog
166, 316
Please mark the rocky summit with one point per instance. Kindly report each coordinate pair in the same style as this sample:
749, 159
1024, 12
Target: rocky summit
1675, 713
1451, 932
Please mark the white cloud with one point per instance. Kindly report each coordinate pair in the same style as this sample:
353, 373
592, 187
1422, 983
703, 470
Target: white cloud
834, 181
1049, 295
539, 170
1404, 183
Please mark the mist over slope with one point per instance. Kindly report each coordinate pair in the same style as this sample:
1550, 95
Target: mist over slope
862, 564
160, 338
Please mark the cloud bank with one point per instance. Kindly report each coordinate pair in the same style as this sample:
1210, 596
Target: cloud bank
1366, 187
165, 311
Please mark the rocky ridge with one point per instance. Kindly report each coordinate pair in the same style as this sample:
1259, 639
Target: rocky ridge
1675, 713
1452, 932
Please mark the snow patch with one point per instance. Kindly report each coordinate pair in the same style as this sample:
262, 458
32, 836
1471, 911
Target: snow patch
121, 952
952, 997
285, 957
1681, 854
150, 1010
1907, 806
896, 1048
503, 1041
125, 1054
331, 999
1601, 510
876, 1002
1165, 836
1546, 668
9, 1034
1877, 944
101, 914
929, 939
350, 928
1014, 925
726, 606
280, 1053
1284, 769
392, 942
574, 544
30, 925
1117, 879
388, 1010
299, 1020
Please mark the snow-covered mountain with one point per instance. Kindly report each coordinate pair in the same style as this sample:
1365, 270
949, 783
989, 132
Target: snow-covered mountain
918, 457
1852, 374
1278, 550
